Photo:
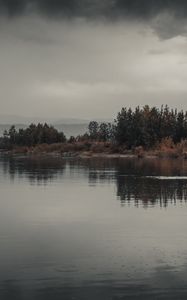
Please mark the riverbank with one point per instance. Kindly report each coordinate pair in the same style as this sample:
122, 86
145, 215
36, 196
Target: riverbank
165, 149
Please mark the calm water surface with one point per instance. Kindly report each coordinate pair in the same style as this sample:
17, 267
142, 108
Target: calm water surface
93, 229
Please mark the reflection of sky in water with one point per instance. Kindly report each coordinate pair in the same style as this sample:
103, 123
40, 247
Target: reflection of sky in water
69, 237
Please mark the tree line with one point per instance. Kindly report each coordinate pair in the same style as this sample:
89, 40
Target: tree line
32, 135
132, 128
147, 126
142, 127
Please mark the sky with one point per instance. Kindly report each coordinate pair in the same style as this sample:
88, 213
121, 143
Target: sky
89, 58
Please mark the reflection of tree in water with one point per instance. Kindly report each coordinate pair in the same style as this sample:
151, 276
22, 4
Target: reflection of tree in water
132, 183
38, 169
97, 170
151, 191
129, 175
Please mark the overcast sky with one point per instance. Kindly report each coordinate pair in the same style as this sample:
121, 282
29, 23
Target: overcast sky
88, 58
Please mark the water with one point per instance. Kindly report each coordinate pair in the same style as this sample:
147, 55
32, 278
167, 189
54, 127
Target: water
93, 229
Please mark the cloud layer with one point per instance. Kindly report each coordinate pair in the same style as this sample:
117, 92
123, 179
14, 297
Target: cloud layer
87, 69
88, 58
108, 8
166, 17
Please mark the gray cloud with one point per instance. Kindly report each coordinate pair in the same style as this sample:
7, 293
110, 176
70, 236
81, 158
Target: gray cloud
87, 69
88, 58
55, 8
133, 8
167, 18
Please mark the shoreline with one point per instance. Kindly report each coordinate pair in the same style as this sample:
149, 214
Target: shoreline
95, 149
102, 155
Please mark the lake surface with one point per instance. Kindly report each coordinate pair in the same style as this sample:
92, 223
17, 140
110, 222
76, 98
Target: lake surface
92, 229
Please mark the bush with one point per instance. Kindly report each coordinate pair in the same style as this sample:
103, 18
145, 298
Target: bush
139, 151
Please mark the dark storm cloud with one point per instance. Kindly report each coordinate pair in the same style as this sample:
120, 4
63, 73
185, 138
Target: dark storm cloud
54, 8
142, 9
150, 8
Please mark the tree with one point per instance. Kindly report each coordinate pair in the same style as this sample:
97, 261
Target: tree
93, 128
104, 132
12, 134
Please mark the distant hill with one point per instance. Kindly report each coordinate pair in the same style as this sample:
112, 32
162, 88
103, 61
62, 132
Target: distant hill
72, 129
14, 119
70, 126
68, 129
70, 121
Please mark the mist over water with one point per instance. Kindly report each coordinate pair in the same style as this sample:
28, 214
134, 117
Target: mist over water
92, 228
